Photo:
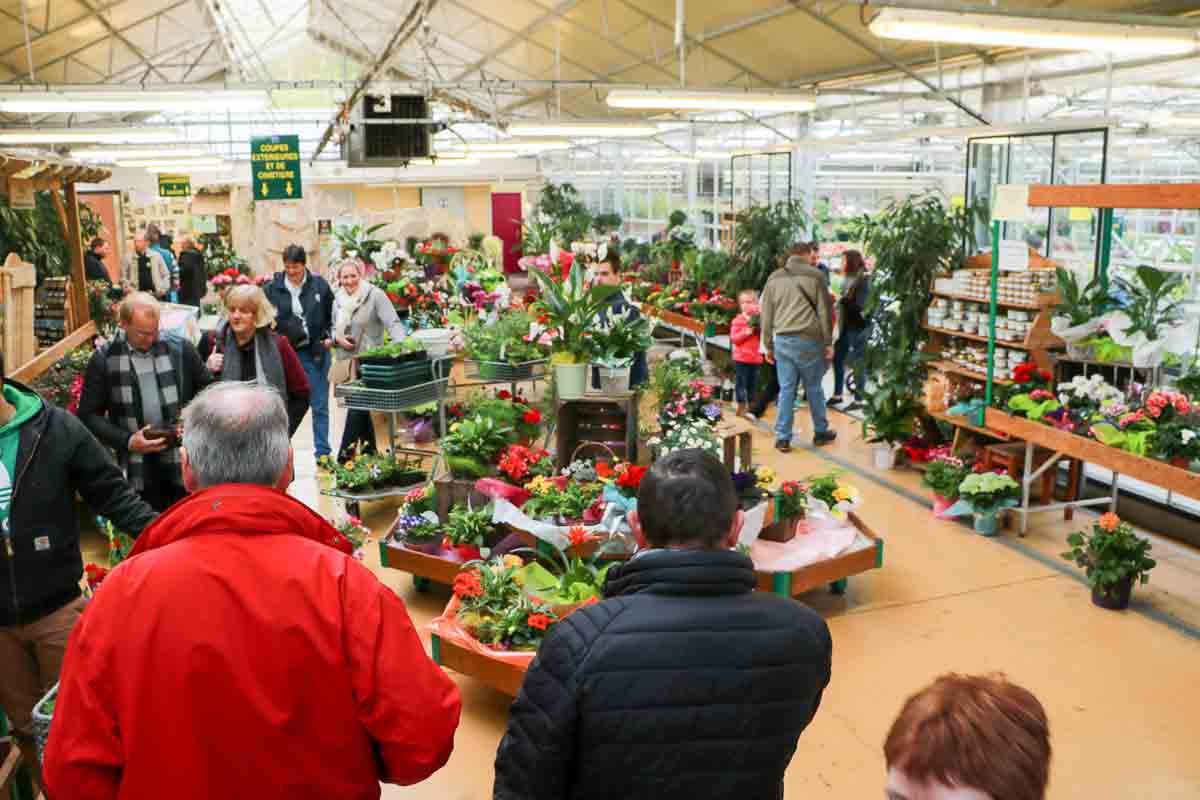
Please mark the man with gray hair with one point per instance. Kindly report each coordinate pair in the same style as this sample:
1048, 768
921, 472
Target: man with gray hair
144, 269
133, 390
238, 652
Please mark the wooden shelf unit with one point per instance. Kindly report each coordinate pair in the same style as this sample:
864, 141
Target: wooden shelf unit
954, 369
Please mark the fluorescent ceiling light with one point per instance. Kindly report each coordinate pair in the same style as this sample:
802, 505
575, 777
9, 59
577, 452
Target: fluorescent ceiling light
116, 101
603, 129
116, 154
88, 135
1177, 118
693, 100
157, 162
183, 169
995, 30
676, 159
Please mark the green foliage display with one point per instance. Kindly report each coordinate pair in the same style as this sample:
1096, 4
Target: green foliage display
503, 340
604, 224
761, 235
1081, 305
572, 308
36, 235
358, 239
1155, 301
560, 206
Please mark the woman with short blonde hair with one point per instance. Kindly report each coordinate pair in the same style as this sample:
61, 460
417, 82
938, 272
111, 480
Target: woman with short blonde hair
245, 348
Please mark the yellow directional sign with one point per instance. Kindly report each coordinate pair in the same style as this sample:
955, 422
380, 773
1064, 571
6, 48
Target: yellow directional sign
174, 186
275, 167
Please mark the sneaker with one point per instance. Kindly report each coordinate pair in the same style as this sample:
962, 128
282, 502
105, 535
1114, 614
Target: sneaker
836, 400
824, 438
783, 446
750, 415
855, 406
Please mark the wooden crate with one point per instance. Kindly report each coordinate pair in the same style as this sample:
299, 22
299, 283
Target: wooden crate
503, 676
737, 441
457, 492
832, 572
419, 565
599, 420
1149, 470
17, 288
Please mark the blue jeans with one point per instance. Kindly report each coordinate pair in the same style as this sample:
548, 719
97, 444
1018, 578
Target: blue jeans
746, 376
799, 361
317, 369
851, 347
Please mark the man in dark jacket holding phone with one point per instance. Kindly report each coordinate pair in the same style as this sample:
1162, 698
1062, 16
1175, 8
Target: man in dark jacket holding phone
134, 390
304, 313
46, 457
684, 682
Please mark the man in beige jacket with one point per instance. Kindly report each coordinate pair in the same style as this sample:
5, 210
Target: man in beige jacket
797, 334
145, 270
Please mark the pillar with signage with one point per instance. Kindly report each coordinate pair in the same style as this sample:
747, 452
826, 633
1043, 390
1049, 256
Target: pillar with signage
275, 168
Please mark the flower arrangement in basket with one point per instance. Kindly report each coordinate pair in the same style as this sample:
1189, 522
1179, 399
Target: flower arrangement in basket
119, 546
1114, 559
496, 610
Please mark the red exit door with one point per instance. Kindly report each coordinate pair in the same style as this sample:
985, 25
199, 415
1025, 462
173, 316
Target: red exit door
506, 223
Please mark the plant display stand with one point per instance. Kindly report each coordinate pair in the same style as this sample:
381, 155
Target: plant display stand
492, 372
737, 443
865, 554
424, 568
1068, 445
684, 326
503, 676
608, 422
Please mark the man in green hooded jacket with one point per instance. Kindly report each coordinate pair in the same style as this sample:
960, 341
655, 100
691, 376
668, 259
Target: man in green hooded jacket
47, 456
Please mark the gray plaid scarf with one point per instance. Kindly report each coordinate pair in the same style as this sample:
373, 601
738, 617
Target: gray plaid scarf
125, 407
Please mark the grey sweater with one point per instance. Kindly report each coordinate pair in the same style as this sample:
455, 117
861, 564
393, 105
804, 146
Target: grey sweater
370, 320
796, 302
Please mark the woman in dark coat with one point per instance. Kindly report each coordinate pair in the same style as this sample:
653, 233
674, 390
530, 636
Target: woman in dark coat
245, 348
193, 276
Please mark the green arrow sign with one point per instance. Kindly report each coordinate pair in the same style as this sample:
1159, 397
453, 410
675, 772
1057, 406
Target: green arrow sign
275, 167
174, 186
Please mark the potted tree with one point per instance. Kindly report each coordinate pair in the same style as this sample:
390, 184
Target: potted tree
571, 308
1114, 558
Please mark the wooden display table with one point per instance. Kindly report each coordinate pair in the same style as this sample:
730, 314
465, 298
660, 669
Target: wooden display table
737, 442
423, 567
1068, 445
683, 321
503, 676
865, 554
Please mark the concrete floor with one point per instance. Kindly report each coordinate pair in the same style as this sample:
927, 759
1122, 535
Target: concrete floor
1120, 688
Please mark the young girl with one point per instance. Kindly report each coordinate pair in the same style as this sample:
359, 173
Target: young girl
744, 334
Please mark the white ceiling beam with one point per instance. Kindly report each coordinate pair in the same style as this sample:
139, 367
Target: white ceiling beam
563, 7
119, 36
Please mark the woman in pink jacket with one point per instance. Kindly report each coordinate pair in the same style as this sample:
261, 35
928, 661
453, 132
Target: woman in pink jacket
747, 354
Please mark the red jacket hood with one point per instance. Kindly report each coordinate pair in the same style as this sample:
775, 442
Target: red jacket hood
235, 508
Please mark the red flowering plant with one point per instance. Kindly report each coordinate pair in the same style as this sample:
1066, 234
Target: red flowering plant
495, 608
119, 545
624, 477
791, 500
1031, 393
519, 463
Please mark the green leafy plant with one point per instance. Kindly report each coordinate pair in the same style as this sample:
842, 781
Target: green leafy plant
892, 406
571, 307
944, 475
1081, 305
618, 338
536, 238
361, 473
560, 205
761, 234
604, 224
358, 239
469, 526
472, 444
36, 235
1110, 553
504, 341
791, 500
1156, 301
569, 503
390, 349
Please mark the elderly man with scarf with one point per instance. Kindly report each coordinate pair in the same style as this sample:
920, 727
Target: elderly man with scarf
134, 390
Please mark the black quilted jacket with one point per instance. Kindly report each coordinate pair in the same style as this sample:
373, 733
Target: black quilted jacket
684, 683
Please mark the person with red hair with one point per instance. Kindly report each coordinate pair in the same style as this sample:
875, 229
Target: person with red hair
969, 737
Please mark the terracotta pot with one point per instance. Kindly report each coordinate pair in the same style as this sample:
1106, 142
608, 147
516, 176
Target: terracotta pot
783, 530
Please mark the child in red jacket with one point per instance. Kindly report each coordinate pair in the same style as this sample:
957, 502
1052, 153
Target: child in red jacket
747, 353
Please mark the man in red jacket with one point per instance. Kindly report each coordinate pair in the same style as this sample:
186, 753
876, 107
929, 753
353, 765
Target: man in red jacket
236, 653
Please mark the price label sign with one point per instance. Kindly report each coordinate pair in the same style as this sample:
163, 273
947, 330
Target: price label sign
275, 167
174, 186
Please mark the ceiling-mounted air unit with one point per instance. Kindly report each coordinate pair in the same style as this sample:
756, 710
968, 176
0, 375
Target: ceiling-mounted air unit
389, 131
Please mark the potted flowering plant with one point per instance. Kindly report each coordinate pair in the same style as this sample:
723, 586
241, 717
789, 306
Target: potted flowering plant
519, 463
362, 473
943, 475
495, 609
571, 308
560, 501
984, 495
507, 345
350, 536
418, 532
686, 435
1177, 422
625, 478
1113, 557
791, 502
468, 531
614, 343
753, 485
119, 546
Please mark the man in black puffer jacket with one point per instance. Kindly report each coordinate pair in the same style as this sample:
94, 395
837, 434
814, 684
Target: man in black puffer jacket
684, 682
46, 456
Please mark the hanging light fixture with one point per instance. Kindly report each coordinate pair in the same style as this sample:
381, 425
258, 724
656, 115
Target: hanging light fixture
117, 154
701, 100
87, 101
604, 129
142, 135
1045, 33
